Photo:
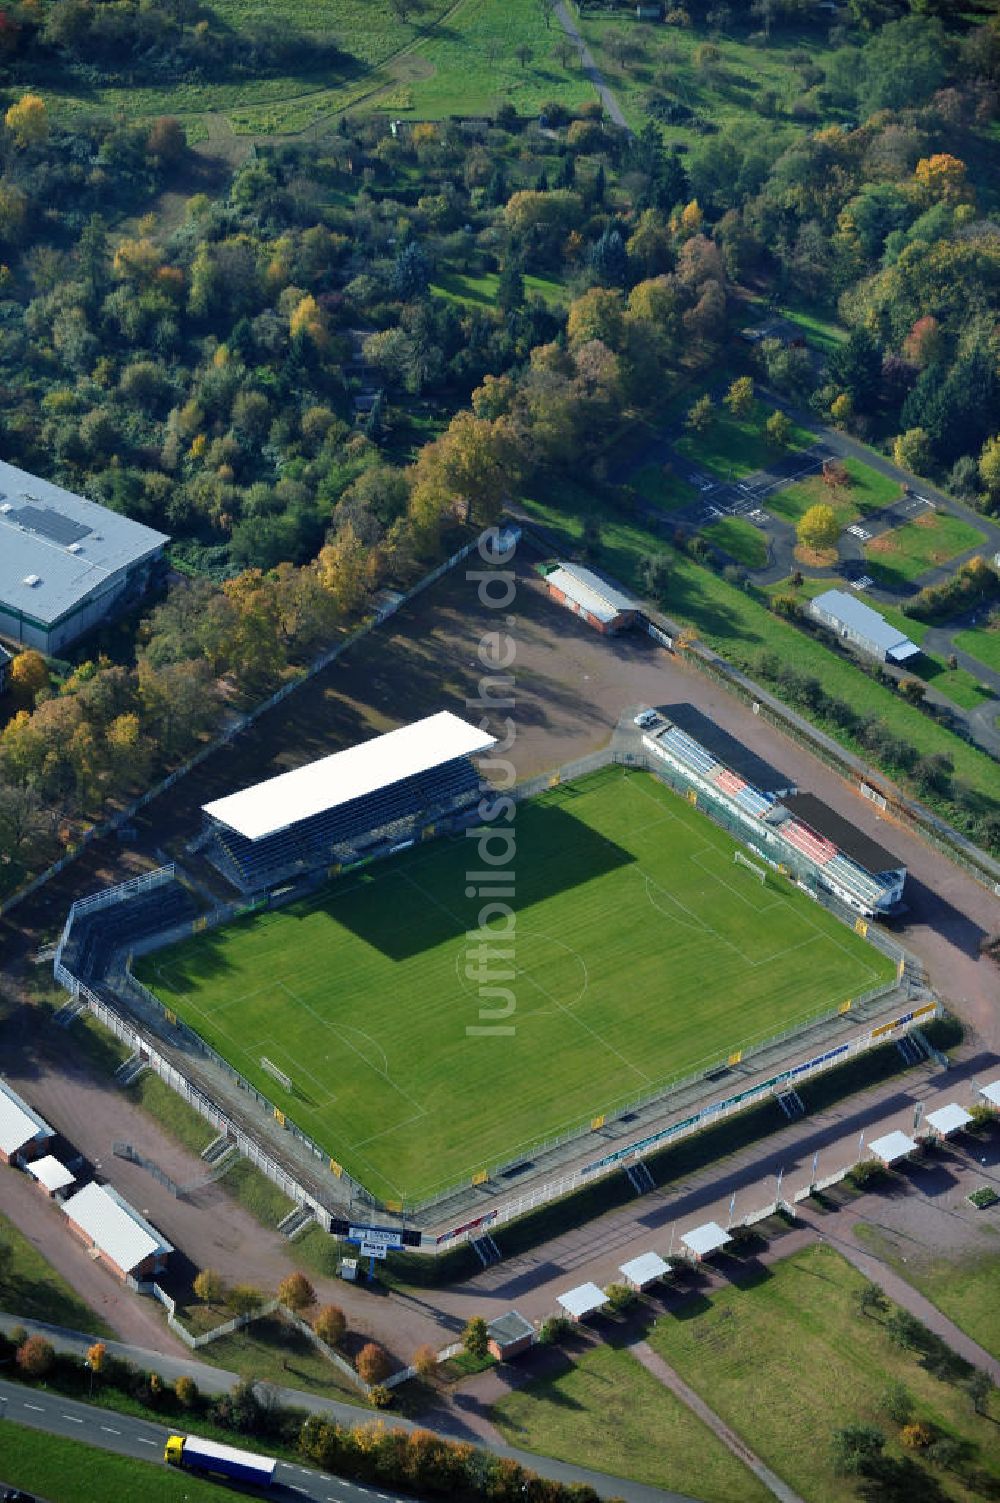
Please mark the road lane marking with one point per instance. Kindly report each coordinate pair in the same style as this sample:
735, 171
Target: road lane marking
144, 1442
72, 1419
108, 1430
36, 1407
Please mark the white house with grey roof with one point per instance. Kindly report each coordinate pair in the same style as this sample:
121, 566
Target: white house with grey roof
861, 627
65, 562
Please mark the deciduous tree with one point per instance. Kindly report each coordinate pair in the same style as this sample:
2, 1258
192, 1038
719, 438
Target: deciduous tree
35, 1356
818, 527
739, 397
209, 1287
296, 1292
330, 1324
373, 1363
476, 1337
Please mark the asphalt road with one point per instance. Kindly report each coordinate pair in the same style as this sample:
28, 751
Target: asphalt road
41, 1409
109, 1431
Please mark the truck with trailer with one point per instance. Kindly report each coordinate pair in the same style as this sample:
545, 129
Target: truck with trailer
194, 1454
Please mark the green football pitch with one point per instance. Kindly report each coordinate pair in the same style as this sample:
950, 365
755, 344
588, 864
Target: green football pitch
641, 954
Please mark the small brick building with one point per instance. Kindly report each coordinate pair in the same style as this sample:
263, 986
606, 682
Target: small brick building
119, 1237
601, 604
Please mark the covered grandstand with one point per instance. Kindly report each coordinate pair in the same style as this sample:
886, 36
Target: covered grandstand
375, 796
863, 876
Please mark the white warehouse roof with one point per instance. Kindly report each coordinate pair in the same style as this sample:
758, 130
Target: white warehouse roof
992, 1092
596, 595
860, 618
112, 1225
51, 1173
57, 548
18, 1123
290, 797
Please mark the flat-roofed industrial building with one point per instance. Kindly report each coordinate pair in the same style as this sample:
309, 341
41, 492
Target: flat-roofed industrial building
66, 563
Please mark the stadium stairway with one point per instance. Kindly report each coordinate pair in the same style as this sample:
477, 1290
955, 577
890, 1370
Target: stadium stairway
486, 1250
640, 1178
791, 1103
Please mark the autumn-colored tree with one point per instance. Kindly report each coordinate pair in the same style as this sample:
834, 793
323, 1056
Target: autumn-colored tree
912, 451
842, 408
699, 414
186, 1390
330, 1324
598, 314
373, 1363
739, 397
425, 1361
35, 1356
476, 1337
691, 218
942, 178
28, 674
989, 467
208, 1287
244, 1299
917, 1436
166, 140
95, 1357
136, 261
913, 689
778, 429
28, 120
296, 1292
925, 342
818, 527
308, 322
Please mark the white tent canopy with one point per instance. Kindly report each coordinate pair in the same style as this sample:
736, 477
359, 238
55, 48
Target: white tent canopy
645, 1269
948, 1119
50, 1173
705, 1239
991, 1092
894, 1146
583, 1300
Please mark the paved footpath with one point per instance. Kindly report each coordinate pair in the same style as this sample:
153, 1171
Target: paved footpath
665, 1374
590, 69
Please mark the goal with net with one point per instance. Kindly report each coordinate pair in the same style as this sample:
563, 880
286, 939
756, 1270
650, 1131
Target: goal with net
271, 1069
760, 872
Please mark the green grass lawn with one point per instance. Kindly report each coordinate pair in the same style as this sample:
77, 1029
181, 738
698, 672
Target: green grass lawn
957, 684
34, 1290
791, 1358
172, 1112
740, 539
607, 1412
67, 1471
982, 642
663, 487
366, 996
481, 291
735, 447
256, 1193
964, 1287
868, 491
272, 1351
904, 553
740, 627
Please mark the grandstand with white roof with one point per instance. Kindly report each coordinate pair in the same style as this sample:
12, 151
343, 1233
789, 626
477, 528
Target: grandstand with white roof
376, 796
824, 850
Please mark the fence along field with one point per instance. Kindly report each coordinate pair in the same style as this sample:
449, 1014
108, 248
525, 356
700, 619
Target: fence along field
642, 953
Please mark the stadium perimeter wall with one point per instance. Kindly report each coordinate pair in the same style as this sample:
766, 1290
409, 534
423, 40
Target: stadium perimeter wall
303, 1170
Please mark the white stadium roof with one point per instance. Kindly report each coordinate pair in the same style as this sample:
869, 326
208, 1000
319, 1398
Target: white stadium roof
290, 797
113, 1226
950, 1118
18, 1123
583, 1300
895, 1145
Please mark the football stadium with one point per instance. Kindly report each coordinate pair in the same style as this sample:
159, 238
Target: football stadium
641, 952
